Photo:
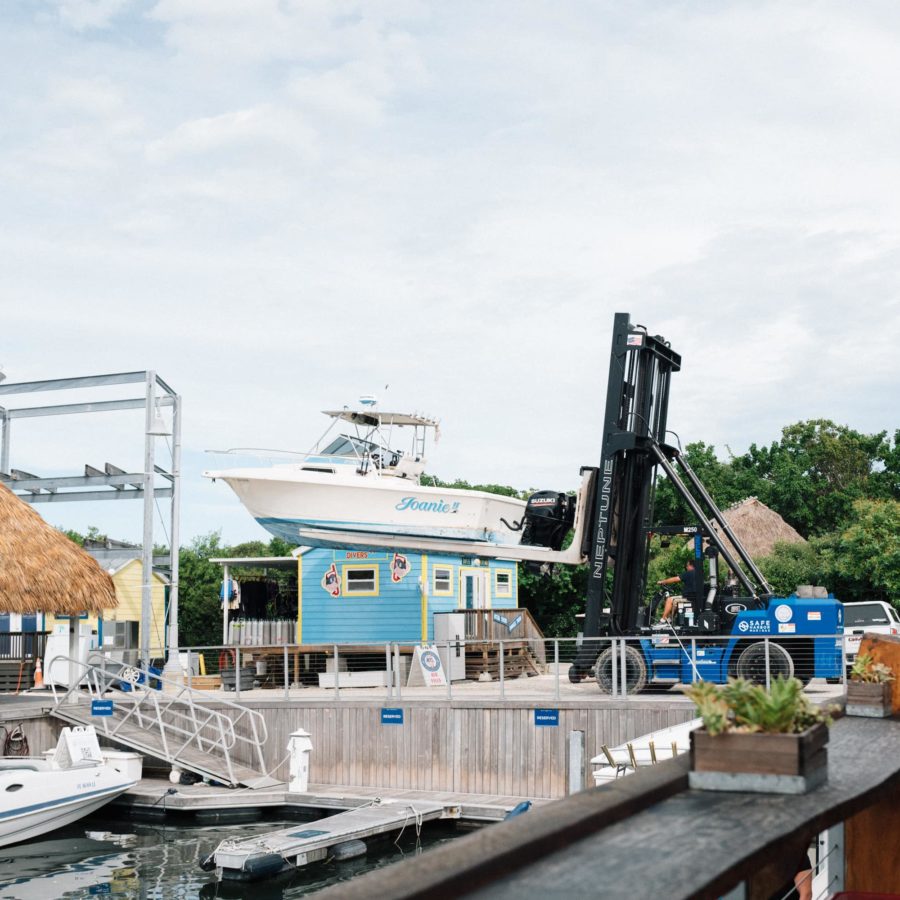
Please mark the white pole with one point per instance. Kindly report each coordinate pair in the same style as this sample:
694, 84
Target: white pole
4, 444
173, 665
147, 552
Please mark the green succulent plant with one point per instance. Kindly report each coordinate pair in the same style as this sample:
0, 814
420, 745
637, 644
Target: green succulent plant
866, 669
742, 706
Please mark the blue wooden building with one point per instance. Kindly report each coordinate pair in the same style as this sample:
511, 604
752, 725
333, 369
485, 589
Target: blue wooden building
360, 596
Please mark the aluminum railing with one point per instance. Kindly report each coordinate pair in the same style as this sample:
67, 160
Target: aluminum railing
169, 720
520, 668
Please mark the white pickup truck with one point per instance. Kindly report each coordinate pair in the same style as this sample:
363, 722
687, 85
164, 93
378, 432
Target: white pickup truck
869, 615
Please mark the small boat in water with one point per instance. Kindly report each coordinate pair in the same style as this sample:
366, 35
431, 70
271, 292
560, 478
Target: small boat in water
40, 794
362, 482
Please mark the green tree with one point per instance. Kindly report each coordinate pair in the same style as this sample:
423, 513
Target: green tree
726, 482
462, 485
555, 599
199, 606
93, 534
790, 565
813, 475
862, 561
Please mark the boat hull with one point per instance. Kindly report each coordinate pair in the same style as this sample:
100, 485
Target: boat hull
40, 799
291, 502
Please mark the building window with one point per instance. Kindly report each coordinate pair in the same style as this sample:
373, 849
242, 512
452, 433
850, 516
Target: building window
442, 581
361, 581
503, 584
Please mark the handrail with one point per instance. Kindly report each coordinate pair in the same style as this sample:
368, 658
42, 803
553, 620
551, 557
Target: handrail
158, 711
505, 624
22, 645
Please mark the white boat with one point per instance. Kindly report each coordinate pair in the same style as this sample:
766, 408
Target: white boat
362, 483
40, 794
646, 750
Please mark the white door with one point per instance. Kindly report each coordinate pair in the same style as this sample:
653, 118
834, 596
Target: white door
473, 589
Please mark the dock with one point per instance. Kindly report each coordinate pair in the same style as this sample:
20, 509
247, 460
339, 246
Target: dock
157, 796
266, 855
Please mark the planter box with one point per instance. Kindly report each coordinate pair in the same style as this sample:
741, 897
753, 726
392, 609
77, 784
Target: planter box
885, 648
866, 699
760, 763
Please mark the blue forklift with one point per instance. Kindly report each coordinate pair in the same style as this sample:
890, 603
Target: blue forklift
731, 627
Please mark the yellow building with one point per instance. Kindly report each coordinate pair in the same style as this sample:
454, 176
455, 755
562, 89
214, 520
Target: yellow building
127, 577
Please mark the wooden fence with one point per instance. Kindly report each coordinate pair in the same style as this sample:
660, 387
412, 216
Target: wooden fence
482, 747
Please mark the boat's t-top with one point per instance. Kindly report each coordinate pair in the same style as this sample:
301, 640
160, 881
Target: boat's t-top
372, 447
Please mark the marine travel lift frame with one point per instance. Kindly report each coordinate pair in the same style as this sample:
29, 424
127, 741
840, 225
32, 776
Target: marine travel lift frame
121, 485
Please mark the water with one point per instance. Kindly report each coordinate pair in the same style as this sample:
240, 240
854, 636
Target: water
104, 856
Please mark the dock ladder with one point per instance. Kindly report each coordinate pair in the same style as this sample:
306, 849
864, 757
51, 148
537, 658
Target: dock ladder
171, 722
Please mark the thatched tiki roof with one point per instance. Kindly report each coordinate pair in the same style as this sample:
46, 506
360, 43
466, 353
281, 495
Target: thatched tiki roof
758, 528
41, 570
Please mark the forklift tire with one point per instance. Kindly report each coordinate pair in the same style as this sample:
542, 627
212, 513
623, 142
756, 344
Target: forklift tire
635, 670
751, 664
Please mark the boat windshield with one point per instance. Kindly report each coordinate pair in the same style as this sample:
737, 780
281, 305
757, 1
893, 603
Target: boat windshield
344, 445
358, 448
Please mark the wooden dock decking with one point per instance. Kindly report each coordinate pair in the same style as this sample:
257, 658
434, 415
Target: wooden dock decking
302, 843
151, 795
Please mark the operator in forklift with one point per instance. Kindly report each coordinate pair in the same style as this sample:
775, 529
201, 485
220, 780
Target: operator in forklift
691, 579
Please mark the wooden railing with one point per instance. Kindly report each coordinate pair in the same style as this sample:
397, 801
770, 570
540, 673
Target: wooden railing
19, 645
505, 625
501, 625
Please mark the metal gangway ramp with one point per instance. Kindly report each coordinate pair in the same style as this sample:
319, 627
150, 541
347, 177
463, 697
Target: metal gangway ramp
173, 723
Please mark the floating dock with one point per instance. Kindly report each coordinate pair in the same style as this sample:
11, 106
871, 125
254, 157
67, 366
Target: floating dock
158, 797
342, 834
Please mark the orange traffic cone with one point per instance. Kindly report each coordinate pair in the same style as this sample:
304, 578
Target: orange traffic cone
38, 675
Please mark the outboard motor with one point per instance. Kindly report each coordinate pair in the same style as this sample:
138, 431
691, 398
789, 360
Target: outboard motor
548, 519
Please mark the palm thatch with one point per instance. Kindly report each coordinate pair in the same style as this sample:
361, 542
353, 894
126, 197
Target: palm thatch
758, 528
41, 570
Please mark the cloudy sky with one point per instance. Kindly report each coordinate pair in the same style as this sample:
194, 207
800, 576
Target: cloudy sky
282, 204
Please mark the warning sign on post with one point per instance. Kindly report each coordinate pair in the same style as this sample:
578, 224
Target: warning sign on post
427, 669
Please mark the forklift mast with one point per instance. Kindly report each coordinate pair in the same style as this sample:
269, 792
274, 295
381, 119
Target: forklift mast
633, 446
634, 424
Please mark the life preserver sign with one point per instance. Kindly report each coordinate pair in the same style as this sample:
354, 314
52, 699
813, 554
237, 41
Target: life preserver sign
431, 662
427, 669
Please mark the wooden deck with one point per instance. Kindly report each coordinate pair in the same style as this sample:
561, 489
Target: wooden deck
308, 842
152, 795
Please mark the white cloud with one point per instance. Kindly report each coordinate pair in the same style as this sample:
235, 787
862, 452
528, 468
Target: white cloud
240, 130
280, 205
86, 14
